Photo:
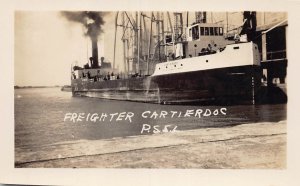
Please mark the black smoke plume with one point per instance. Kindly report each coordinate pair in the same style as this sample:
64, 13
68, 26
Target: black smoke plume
91, 20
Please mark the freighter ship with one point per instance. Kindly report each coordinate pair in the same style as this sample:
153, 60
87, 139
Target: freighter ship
203, 66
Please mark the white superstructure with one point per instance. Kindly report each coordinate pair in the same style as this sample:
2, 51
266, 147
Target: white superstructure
240, 54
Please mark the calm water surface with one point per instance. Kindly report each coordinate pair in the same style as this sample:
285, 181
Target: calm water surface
40, 113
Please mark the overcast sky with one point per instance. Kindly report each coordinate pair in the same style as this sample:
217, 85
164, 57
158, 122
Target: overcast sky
46, 45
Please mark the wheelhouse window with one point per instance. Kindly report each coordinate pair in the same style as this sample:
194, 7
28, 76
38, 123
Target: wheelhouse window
195, 32
202, 31
211, 31
206, 31
216, 31
221, 31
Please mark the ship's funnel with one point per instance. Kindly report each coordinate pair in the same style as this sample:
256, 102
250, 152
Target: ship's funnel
93, 22
95, 63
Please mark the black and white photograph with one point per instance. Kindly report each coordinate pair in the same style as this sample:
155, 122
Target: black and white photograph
134, 89
149, 92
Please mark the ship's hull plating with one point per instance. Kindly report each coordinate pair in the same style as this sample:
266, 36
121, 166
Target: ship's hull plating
224, 85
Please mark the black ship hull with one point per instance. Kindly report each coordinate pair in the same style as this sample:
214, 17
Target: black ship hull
223, 85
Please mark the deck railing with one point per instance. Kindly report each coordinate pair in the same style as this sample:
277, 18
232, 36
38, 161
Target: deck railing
279, 54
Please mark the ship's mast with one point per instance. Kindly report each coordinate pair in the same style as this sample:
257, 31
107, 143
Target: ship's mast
172, 30
187, 19
124, 44
178, 25
163, 34
226, 22
145, 32
149, 42
138, 39
158, 21
130, 39
141, 34
116, 27
138, 23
